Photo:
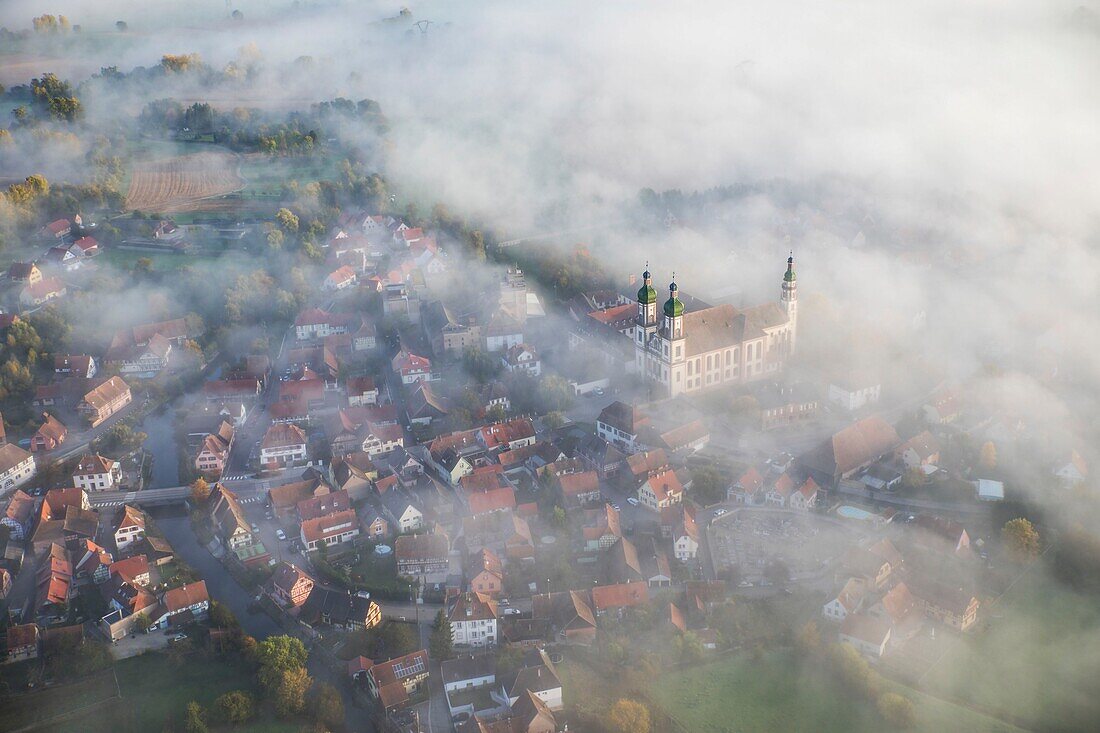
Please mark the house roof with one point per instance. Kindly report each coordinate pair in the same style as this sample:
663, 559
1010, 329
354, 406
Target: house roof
282, 435
324, 504
854, 446
647, 462
624, 417
287, 575
620, 595
468, 667
185, 596
492, 500
288, 495
471, 606
685, 435
417, 547
676, 617
865, 628
581, 482
106, 393
94, 465
52, 428
329, 525
21, 506
130, 568
665, 485
924, 444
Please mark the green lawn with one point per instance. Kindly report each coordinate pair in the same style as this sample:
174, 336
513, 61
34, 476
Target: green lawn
1038, 661
25, 709
746, 696
153, 692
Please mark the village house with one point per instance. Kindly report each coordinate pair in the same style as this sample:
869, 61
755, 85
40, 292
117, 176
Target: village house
213, 452
104, 401
19, 513
339, 608
290, 585
661, 491
486, 573
919, 451
42, 291
402, 511
393, 682
782, 405
849, 600
473, 618
569, 613
228, 518
24, 272
361, 391
330, 530
17, 467
50, 434
129, 528
74, 365
422, 554
339, 279
411, 367
522, 359
318, 324
620, 424
854, 391
579, 488
685, 538
618, 596
283, 446
93, 472
191, 601
144, 360
849, 450
867, 634
601, 528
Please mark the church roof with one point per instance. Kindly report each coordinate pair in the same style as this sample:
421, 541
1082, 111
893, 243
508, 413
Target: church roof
724, 326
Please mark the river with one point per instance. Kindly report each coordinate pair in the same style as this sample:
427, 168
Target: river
176, 526
161, 443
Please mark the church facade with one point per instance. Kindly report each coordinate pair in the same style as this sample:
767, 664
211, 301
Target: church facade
686, 352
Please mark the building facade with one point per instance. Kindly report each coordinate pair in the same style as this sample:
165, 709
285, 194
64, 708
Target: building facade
685, 352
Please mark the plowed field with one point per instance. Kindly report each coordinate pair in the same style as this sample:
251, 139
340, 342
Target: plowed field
184, 183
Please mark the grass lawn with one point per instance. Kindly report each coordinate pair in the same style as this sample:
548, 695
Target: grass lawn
124, 259
154, 692
26, 708
739, 694
1037, 662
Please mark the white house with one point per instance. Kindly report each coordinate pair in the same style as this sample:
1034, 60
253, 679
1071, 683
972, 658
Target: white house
848, 600
522, 359
130, 527
96, 473
339, 279
473, 618
283, 445
329, 530
16, 466
401, 512
661, 491
854, 394
867, 634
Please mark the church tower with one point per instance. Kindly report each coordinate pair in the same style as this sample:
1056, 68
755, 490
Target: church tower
647, 309
788, 299
674, 314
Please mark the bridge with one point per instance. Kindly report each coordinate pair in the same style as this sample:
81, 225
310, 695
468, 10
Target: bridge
247, 490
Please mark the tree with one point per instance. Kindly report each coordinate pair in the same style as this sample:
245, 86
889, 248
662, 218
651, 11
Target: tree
396, 638
286, 220
200, 491
558, 518
277, 654
1021, 538
553, 420
707, 485
897, 710
328, 706
440, 644
987, 458
195, 720
235, 707
290, 693
629, 716
142, 622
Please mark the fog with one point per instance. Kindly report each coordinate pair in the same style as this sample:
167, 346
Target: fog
932, 166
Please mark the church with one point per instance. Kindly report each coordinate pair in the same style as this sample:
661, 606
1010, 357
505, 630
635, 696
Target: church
685, 352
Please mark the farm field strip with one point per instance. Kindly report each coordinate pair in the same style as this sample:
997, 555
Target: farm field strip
182, 183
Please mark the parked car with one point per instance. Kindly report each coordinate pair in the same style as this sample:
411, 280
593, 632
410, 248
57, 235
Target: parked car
632, 501
280, 534
255, 529
720, 512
